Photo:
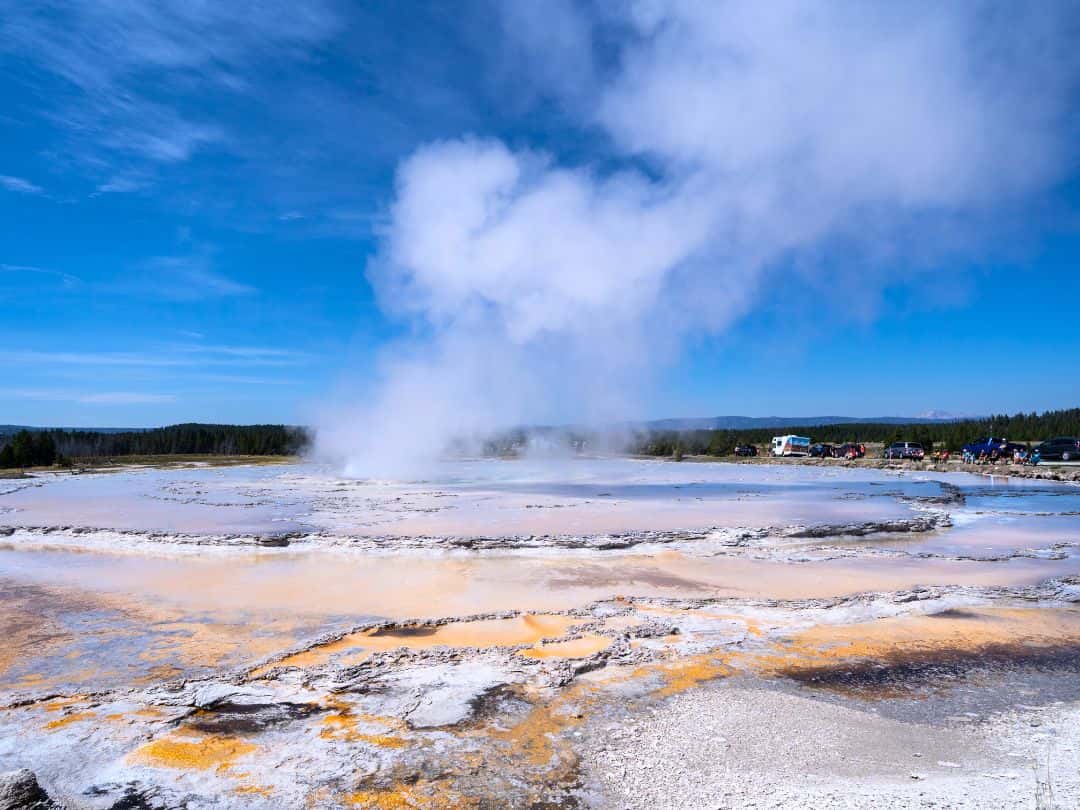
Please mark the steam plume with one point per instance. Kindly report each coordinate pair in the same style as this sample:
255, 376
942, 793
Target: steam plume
748, 136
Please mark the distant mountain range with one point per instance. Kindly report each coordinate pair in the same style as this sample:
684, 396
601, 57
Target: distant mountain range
751, 422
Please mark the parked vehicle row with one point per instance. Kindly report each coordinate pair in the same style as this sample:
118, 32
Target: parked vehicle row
993, 449
800, 446
984, 448
847, 450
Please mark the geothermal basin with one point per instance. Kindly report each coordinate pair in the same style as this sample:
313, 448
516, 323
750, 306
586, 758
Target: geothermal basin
583, 633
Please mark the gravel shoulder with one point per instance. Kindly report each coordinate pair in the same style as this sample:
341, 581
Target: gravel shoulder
740, 745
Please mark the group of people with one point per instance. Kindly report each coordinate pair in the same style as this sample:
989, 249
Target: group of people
1019, 456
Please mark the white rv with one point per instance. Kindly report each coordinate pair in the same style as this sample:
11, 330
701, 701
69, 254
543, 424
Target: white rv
790, 446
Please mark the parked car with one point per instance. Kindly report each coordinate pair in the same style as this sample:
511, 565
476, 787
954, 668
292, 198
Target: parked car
821, 450
905, 450
1065, 448
850, 450
745, 450
991, 445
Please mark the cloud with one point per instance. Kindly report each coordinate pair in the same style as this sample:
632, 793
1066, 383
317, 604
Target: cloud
67, 279
19, 185
246, 352
752, 147
99, 398
241, 379
187, 278
189, 357
120, 184
130, 76
176, 278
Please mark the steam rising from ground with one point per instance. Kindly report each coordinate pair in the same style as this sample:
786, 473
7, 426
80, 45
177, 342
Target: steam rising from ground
746, 138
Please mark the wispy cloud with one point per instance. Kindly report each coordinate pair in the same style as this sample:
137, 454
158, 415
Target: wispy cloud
132, 72
20, 185
186, 278
169, 357
97, 398
67, 279
123, 184
244, 352
241, 379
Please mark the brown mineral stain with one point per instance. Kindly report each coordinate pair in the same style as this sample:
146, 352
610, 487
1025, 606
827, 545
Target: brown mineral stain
189, 750
878, 657
970, 630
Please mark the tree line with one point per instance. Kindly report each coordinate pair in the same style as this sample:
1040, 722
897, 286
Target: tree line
45, 447
26, 449
952, 435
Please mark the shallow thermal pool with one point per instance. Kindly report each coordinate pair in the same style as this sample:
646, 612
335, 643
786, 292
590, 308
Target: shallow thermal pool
477, 498
705, 530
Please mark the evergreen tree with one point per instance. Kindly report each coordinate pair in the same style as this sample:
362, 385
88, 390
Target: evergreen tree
22, 447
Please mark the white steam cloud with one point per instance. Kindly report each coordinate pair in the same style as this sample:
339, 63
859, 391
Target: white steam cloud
748, 136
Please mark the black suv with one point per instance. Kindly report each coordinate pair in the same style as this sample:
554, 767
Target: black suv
905, 450
1066, 448
821, 450
745, 450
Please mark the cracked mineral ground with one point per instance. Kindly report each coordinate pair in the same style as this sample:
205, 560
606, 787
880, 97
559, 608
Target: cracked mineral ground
600, 633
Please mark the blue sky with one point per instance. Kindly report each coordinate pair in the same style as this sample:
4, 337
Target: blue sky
190, 197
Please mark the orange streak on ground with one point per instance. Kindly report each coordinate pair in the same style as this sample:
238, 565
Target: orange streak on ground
347, 726
253, 790
68, 719
405, 797
189, 750
485, 633
686, 673
58, 704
